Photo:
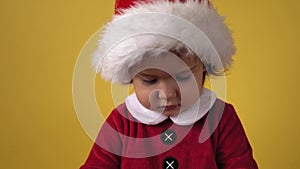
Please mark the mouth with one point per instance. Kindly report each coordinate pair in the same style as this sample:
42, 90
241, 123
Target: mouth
170, 107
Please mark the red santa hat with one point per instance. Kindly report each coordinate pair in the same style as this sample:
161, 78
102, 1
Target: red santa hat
140, 26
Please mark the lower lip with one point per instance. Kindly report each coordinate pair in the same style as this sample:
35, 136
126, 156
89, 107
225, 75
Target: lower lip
170, 108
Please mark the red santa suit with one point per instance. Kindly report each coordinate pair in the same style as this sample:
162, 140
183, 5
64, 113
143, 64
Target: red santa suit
209, 135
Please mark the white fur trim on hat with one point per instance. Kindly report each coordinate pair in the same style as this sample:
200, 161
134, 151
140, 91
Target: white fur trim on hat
163, 25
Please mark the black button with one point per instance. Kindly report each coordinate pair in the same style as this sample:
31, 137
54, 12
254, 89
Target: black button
168, 137
170, 163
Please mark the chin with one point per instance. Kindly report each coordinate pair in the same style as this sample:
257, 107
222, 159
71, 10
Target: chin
171, 113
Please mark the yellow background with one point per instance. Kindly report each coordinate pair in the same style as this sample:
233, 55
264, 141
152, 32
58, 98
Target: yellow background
41, 40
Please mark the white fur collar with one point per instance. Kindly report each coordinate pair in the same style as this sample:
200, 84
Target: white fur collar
187, 117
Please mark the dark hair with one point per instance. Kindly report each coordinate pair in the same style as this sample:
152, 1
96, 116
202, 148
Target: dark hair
203, 77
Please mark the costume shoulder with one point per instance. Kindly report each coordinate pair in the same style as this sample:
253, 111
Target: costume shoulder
119, 117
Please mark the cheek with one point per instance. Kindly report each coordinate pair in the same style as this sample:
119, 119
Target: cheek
190, 92
189, 96
142, 92
143, 96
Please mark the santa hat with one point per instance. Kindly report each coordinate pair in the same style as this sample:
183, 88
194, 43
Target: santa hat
142, 28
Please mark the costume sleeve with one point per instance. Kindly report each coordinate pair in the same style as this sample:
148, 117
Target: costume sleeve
233, 148
105, 153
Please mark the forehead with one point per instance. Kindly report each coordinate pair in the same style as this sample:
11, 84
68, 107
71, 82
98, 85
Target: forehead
164, 66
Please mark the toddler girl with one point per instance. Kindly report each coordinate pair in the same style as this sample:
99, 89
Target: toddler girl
165, 49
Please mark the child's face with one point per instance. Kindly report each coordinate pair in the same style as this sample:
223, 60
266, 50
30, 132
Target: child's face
170, 92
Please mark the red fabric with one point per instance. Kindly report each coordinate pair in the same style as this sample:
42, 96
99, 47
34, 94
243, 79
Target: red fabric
123, 4
226, 148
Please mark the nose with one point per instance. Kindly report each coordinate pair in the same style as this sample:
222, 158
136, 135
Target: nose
167, 89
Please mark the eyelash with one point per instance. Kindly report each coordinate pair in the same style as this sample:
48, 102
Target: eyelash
150, 82
179, 78
183, 78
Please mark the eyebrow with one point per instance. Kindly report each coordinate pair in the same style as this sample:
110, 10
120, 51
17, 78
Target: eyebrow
145, 74
190, 69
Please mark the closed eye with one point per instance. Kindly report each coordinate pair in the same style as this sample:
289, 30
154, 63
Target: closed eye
183, 78
150, 81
